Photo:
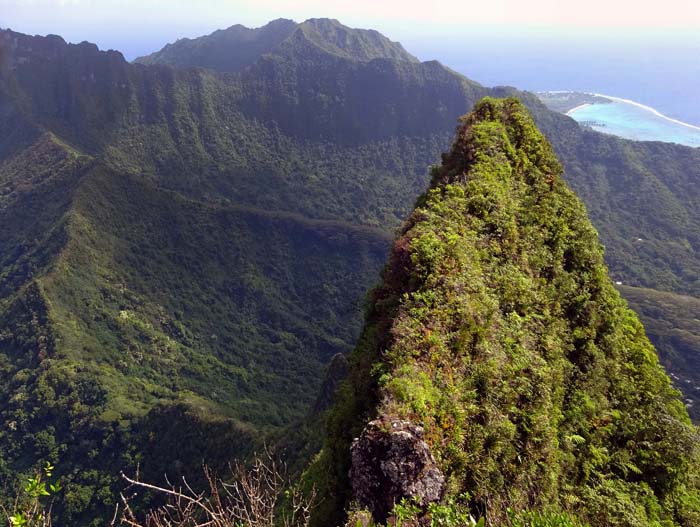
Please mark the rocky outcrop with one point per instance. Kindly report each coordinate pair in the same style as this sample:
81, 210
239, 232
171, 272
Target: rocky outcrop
390, 462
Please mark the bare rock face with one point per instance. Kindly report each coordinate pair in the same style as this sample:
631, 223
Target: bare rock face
391, 461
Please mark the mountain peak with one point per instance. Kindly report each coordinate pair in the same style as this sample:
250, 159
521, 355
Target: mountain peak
499, 341
280, 22
355, 44
236, 47
519, 132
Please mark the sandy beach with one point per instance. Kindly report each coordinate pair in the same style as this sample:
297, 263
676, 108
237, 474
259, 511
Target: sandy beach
578, 107
645, 107
632, 120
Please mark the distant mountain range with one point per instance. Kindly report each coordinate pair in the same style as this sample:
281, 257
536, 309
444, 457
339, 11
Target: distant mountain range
234, 48
187, 240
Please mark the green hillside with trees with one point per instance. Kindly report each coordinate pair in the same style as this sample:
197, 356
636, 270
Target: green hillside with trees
186, 249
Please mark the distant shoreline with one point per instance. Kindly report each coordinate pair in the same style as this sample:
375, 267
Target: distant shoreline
638, 105
569, 112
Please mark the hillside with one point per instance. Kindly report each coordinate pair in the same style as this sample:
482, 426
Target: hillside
206, 305
499, 370
228, 49
189, 247
672, 323
640, 196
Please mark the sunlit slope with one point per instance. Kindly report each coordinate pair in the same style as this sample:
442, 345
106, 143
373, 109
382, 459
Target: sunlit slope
499, 333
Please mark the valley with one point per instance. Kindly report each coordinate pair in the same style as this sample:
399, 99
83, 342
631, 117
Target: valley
187, 243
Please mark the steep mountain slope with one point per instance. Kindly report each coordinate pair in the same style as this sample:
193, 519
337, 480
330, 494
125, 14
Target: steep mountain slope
191, 248
149, 298
672, 323
642, 197
497, 331
224, 50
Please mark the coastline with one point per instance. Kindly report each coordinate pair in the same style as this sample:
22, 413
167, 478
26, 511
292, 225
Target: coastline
575, 108
644, 107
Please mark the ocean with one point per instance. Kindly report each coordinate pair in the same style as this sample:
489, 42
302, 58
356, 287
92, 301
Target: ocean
632, 120
656, 69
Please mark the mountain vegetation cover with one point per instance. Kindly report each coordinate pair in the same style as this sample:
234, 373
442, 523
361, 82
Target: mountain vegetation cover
232, 49
640, 196
183, 250
498, 332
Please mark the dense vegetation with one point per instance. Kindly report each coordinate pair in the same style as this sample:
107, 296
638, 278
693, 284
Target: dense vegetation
497, 330
185, 250
672, 323
102, 339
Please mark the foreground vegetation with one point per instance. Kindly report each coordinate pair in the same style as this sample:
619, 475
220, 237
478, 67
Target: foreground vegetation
259, 495
498, 331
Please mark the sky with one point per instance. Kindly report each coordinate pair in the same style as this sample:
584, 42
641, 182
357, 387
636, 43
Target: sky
141, 26
641, 49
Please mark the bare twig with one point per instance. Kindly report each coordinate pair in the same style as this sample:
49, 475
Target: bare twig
252, 498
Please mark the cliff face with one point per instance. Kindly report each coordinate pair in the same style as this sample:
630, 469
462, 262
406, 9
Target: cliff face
498, 337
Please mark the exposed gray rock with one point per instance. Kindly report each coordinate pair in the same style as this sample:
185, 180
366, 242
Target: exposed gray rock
390, 462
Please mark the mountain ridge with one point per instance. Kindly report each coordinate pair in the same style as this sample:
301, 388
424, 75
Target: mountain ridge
237, 47
183, 290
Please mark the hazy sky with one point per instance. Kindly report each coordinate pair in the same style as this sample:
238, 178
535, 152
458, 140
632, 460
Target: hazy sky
139, 26
640, 49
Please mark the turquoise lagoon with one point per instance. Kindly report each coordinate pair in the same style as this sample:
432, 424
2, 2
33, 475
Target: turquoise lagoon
632, 120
